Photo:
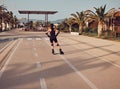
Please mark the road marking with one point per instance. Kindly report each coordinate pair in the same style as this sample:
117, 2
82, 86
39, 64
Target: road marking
38, 64
79, 73
38, 38
104, 59
5, 47
9, 58
29, 38
46, 38
43, 83
36, 54
90, 84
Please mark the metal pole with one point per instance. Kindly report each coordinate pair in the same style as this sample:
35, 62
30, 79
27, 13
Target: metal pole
46, 20
28, 23
28, 17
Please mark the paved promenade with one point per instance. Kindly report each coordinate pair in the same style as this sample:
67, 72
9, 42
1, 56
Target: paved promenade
88, 63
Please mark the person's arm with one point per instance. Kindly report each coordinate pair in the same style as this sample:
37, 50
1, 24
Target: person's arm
57, 32
47, 33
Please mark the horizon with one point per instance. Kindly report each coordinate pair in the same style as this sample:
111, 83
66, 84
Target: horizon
64, 8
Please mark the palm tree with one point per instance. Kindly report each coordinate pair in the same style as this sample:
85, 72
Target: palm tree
110, 14
0, 11
7, 18
10, 18
69, 22
63, 26
15, 21
79, 18
99, 15
3, 15
0, 18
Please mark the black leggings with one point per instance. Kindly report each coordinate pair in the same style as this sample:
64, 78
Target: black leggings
53, 40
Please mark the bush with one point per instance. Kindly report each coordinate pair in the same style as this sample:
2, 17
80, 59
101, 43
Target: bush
86, 30
75, 29
65, 29
93, 30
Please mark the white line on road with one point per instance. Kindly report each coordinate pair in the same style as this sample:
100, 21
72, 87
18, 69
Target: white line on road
90, 84
5, 47
79, 73
36, 55
102, 58
107, 60
8, 60
38, 38
38, 64
29, 38
43, 83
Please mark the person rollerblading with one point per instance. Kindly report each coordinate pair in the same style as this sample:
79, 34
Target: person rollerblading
52, 33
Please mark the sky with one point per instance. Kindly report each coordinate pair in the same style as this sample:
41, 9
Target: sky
64, 7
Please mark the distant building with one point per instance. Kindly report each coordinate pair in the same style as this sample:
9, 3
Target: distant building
116, 23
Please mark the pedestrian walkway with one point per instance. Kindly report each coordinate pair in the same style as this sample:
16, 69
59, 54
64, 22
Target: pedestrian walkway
104, 49
31, 64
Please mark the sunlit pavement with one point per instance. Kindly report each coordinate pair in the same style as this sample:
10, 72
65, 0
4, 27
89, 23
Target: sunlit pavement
88, 63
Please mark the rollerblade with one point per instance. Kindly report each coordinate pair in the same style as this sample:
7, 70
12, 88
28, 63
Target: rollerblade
53, 52
61, 52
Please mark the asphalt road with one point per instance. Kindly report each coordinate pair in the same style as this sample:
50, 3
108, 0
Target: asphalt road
88, 63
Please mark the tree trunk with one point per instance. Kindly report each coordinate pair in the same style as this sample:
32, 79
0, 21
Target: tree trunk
99, 29
80, 29
70, 28
0, 27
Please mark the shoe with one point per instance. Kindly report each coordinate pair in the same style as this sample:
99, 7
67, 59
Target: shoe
61, 52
